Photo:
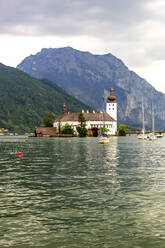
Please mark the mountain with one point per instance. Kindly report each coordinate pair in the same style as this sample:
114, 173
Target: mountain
24, 100
88, 77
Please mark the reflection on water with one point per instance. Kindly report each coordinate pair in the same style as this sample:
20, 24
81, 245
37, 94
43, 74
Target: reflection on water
79, 193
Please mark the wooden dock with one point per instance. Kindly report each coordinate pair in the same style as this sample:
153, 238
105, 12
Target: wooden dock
139, 132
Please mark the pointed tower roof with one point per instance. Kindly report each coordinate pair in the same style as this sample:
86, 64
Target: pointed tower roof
111, 98
64, 109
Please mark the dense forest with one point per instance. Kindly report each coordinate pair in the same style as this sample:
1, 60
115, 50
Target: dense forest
24, 100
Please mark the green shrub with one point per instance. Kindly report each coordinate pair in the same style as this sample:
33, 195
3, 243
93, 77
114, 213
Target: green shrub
67, 129
122, 130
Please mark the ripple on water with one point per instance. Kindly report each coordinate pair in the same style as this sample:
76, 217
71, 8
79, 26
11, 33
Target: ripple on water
82, 193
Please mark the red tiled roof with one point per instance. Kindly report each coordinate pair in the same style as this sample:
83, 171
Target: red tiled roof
88, 117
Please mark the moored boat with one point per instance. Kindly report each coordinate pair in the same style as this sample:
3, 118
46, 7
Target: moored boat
142, 135
153, 137
159, 135
103, 140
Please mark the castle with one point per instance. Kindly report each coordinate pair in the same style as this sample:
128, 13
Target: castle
95, 119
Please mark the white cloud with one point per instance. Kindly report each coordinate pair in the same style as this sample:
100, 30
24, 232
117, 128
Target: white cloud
155, 74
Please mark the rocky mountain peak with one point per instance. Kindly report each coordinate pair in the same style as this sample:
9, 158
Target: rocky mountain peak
88, 77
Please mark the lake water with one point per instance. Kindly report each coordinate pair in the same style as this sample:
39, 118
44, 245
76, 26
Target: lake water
79, 193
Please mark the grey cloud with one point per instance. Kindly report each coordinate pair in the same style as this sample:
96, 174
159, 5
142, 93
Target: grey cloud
70, 17
120, 23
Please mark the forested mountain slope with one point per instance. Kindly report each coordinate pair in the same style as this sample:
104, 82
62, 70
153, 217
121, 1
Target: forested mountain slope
24, 100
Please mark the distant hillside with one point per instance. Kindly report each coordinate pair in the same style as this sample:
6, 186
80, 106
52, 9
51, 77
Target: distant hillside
24, 100
88, 77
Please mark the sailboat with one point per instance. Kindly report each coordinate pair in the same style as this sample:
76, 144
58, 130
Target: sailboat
103, 139
142, 135
153, 137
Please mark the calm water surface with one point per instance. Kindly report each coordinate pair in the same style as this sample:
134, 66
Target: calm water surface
79, 193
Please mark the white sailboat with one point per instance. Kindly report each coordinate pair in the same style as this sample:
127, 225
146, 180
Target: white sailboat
142, 135
153, 137
159, 136
103, 139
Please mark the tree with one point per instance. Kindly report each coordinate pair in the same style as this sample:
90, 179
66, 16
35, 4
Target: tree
103, 130
67, 129
48, 121
81, 129
122, 130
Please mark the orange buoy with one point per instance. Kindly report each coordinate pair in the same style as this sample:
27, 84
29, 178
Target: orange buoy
20, 154
105, 142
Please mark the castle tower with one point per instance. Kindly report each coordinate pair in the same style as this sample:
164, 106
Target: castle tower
111, 105
64, 109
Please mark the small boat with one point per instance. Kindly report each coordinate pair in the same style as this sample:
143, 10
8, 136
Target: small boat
152, 137
142, 135
159, 135
103, 140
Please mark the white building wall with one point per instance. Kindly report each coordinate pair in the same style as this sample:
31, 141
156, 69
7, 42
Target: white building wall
74, 124
111, 109
111, 126
108, 125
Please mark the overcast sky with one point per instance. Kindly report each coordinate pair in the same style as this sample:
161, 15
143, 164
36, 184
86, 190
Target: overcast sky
132, 30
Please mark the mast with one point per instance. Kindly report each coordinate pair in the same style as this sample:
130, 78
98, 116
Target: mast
103, 122
103, 129
143, 128
153, 120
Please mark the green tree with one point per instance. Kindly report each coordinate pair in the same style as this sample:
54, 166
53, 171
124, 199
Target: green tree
23, 108
103, 130
67, 129
122, 130
81, 129
48, 121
